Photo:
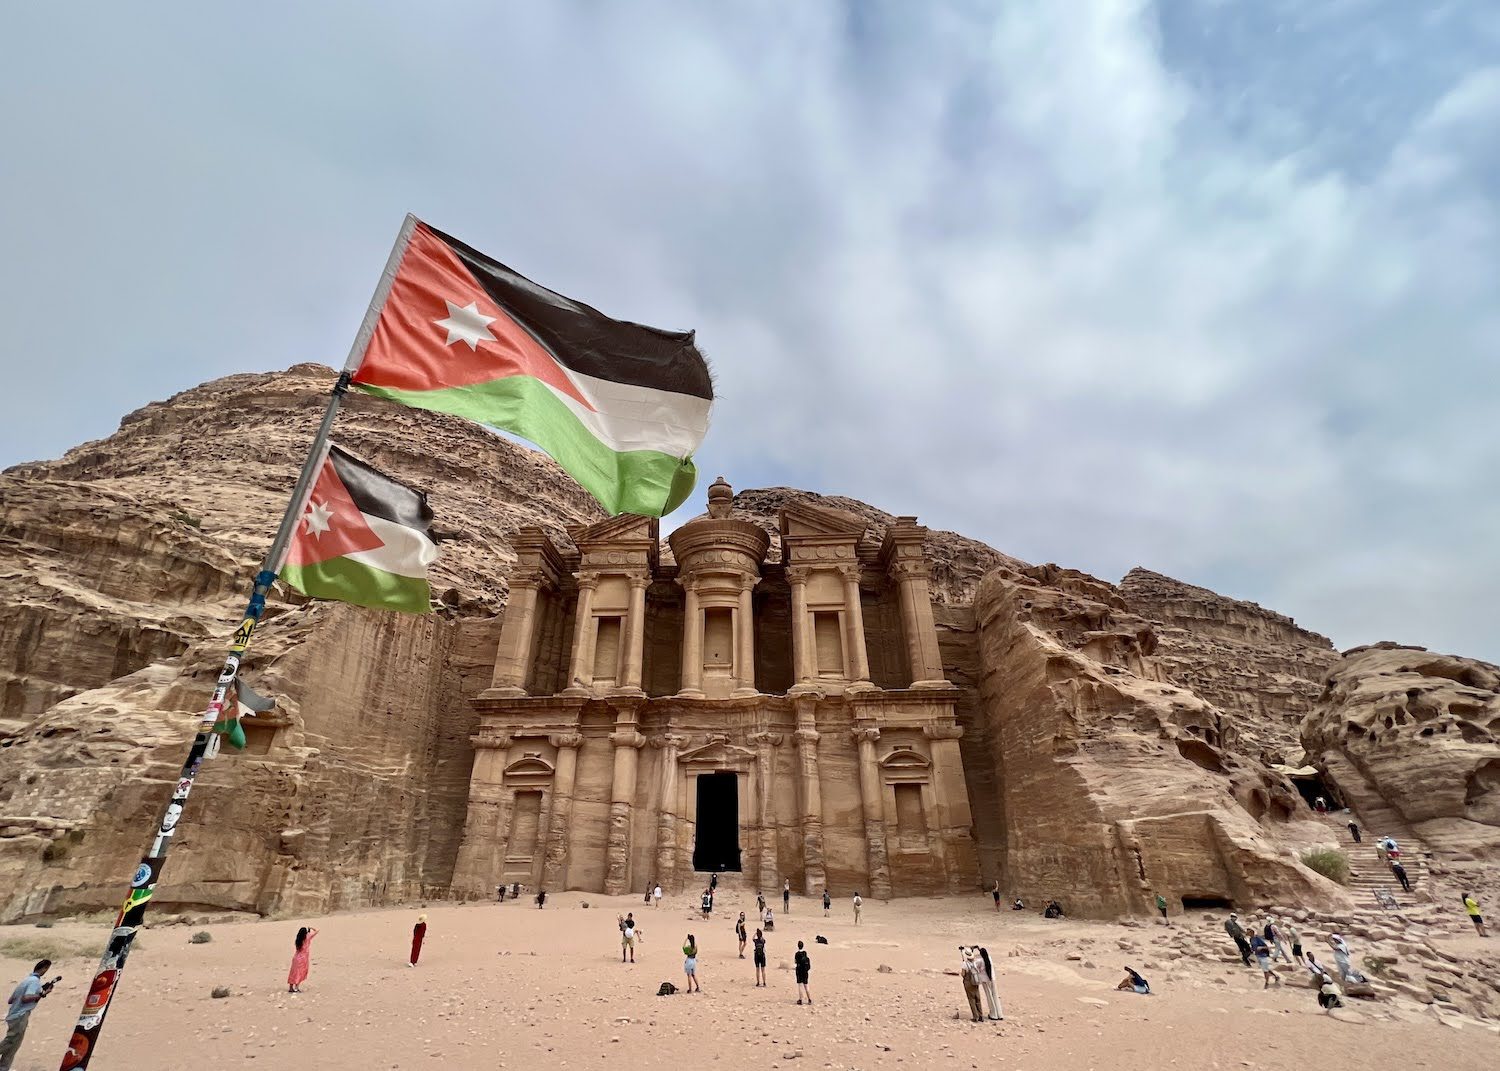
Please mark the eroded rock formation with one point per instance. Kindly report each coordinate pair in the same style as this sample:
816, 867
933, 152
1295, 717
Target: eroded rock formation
120, 566
1411, 740
1253, 663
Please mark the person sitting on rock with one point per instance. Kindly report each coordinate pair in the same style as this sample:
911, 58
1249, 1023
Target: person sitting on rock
1329, 996
1018, 905
1053, 910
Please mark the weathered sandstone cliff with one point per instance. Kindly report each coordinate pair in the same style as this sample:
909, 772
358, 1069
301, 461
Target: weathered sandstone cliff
1411, 740
1253, 663
121, 567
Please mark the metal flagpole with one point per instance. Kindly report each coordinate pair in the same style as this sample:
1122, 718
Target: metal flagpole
85, 1040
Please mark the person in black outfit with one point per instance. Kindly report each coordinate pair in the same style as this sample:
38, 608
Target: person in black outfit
760, 959
1400, 872
1354, 830
786, 897
803, 965
1233, 929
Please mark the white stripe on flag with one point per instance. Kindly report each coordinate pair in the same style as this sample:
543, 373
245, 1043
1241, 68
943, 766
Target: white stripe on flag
407, 552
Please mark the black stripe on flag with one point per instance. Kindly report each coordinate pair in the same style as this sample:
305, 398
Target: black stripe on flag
586, 340
378, 495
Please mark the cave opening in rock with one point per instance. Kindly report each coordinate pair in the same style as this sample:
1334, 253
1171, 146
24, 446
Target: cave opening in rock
716, 845
1206, 903
1312, 786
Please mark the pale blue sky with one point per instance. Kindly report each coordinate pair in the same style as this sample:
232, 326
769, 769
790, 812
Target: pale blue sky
1204, 286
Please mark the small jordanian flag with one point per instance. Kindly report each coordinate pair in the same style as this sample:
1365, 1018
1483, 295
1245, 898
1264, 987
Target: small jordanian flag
622, 407
362, 538
241, 702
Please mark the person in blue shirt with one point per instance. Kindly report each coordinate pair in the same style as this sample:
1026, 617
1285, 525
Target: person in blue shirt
22, 1003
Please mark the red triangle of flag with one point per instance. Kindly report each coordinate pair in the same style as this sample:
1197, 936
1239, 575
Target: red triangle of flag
331, 524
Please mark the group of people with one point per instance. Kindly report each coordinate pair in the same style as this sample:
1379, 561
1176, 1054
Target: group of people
1267, 942
977, 972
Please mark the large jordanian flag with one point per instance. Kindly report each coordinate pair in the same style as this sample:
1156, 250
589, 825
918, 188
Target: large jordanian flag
362, 538
621, 406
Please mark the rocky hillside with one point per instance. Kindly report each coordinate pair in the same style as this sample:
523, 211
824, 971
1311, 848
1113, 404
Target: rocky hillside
121, 567
1253, 663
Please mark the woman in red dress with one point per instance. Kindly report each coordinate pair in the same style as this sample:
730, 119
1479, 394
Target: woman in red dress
301, 960
418, 932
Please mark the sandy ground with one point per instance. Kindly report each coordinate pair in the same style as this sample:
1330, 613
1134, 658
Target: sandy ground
510, 986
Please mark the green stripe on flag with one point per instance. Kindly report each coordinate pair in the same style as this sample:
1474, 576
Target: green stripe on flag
645, 482
349, 581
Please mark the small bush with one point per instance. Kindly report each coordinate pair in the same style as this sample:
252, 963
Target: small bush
186, 518
202, 937
1330, 862
220, 992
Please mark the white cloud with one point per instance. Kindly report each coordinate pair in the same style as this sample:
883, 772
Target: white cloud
1097, 283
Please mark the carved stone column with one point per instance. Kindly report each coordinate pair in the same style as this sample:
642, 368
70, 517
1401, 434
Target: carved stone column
873, 804
954, 820
555, 861
692, 642
666, 816
513, 656
766, 872
581, 673
627, 743
811, 798
918, 626
635, 627
744, 639
802, 641
481, 853
854, 619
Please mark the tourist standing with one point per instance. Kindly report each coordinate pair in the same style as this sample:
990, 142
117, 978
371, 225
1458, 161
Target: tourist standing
1295, 938
739, 931
995, 893
1399, 872
786, 897
760, 903
1471, 906
656, 896
1341, 957
803, 965
706, 904
1161, 905
1233, 929
301, 960
690, 963
418, 935
1354, 830
1262, 953
969, 974
627, 937
827, 901
1273, 935
858, 903
987, 985
759, 954
541, 899
23, 1001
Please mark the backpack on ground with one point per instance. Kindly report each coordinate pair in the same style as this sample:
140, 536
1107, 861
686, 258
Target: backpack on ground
666, 990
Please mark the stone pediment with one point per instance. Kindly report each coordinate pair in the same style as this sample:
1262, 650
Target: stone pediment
626, 528
905, 759
529, 766
717, 753
804, 520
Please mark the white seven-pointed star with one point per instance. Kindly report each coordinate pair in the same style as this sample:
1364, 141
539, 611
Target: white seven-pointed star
317, 517
466, 324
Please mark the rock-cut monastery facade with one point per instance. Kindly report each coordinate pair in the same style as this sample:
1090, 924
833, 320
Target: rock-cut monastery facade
654, 720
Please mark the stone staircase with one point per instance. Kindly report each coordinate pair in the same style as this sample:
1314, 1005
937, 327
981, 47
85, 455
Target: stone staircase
1369, 874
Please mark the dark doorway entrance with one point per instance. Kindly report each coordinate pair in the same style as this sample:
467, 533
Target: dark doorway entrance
717, 846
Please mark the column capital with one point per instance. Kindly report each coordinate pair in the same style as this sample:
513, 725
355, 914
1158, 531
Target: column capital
806, 736
588, 580
490, 741
943, 732
909, 569
565, 740
668, 740
848, 571
768, 738
627, 738
862, 735
798, 574
531, 578
637, 581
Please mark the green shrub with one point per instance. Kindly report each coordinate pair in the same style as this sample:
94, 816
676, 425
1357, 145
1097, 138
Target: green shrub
202, 937
1330, 862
